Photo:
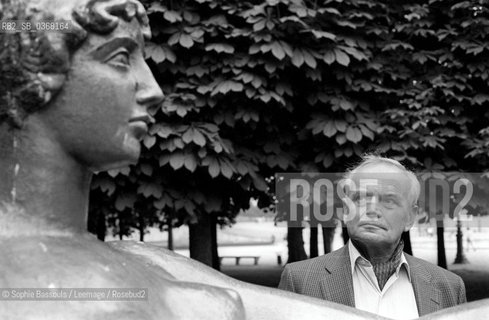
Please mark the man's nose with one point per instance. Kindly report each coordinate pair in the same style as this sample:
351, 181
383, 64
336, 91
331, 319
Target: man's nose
372, 207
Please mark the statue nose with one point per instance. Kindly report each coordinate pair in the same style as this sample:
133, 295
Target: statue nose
148, 90
150, 94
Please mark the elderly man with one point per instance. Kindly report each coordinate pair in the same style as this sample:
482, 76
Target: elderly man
371, 272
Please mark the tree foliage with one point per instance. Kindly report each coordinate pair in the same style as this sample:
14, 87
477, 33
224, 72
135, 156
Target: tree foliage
258, 87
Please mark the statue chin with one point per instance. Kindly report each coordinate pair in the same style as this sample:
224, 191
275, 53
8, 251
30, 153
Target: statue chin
127, 154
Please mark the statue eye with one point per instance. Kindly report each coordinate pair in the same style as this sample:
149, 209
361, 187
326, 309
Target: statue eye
121, 58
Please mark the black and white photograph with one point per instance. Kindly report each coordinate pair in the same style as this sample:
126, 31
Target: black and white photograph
244, 159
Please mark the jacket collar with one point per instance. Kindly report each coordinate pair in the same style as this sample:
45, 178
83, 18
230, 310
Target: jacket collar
428, 298
355, 255
337, 285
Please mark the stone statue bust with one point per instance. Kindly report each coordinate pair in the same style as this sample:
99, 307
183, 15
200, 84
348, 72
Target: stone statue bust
73, 103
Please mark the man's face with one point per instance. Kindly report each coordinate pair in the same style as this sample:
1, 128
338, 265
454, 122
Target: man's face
378, 205
100, 114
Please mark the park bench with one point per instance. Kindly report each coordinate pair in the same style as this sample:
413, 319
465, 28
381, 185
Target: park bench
238, 258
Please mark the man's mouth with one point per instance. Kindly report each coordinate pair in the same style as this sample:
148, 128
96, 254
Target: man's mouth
372, 224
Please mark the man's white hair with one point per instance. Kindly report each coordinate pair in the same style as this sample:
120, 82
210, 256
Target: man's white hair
369, 159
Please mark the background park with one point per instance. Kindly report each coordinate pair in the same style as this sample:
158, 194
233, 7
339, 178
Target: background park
258, 88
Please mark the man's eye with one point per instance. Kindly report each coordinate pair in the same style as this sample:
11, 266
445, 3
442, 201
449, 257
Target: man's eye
358, 199
120, 58
389, 201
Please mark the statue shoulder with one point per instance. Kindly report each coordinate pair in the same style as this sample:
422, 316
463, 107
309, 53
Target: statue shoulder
179, 267
85, 262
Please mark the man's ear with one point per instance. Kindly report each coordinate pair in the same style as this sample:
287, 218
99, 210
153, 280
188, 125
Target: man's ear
412, 213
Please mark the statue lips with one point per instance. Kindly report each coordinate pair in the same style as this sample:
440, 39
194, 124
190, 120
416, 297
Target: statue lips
140, 124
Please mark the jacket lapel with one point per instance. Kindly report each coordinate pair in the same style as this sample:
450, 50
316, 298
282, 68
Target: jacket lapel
427, 296
337, 284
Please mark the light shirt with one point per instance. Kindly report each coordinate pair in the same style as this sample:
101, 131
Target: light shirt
396, 300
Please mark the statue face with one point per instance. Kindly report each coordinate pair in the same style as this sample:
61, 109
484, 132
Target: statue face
100, 114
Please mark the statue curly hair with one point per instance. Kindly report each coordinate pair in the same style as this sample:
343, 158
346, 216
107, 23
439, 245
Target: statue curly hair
34, 65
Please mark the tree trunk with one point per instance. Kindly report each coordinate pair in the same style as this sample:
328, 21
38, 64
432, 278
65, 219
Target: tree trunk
407, 242
440, 237
313, 242
170, 236
200, 240
328, 235
141, 225
344, 234
295, 244
96, 223
121, 226
101, 226
215, 254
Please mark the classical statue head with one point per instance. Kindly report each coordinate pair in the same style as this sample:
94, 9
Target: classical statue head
88, 86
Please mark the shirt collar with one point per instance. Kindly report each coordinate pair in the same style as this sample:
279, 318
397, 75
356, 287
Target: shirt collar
356, 259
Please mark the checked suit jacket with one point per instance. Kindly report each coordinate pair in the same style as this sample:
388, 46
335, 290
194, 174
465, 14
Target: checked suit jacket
329, 277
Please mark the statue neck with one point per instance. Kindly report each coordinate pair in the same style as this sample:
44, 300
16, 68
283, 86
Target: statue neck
42, 180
